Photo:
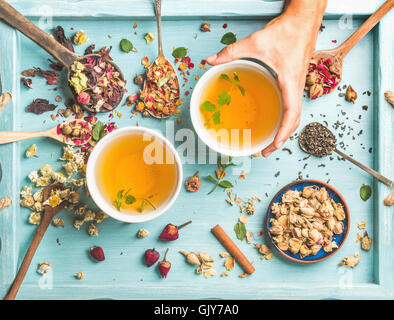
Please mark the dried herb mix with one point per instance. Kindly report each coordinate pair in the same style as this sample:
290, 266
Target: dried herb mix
317, 140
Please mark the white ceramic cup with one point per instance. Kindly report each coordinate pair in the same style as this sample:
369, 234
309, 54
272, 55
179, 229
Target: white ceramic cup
198, 121
91, 176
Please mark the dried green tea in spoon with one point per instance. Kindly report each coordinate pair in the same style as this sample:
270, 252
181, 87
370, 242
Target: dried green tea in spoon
317, 140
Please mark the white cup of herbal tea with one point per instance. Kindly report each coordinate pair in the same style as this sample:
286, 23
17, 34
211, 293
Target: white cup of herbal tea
236, 108
134, 174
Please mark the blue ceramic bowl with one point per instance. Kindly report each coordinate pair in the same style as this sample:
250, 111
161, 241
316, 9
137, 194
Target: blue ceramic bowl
339, 239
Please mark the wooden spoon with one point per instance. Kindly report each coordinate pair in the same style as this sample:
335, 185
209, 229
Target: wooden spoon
372, 172
49, 214
12, 136
46, 41
160, 60
337, 55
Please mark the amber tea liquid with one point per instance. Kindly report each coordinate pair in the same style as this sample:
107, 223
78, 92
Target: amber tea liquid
258, 110
123, 165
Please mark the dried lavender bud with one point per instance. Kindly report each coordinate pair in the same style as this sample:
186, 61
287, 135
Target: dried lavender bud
40, 106
151, 256
193, 183
60, 36
317, 140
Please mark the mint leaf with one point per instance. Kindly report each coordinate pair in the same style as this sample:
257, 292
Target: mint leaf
208, 106
120, 194
225, 184
224, 98
98, 131
212, 179
240, 230
130, 199
228, 38
118, 204
241, 89
216, 117
127, 46
365, 192
225, 77
179, 53
143, 204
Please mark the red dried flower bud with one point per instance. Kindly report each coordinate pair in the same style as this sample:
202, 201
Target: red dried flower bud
351, 95
315, 91
205, 27
193, 183
170, 232
151, 256
97, 253
164, 266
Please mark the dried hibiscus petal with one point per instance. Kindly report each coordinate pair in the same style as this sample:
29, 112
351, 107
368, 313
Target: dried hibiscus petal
51, 76
27, 82
171, 232
60, 36
58, 66
29, 73
40, 106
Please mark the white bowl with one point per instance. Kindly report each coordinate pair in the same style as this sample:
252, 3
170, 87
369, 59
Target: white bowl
198, 122
98, 198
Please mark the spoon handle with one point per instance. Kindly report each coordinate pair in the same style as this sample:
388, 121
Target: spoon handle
12, 136
345, 47
158, 20
46, 220
12, 17
377, 175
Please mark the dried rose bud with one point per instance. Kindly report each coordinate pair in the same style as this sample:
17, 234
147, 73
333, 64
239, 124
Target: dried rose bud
334, 69
311, 79
193, 183
315, 91
164, 266
97, 253
205, 27
351, 95
170, 232
139, 79
83, 98
151, 256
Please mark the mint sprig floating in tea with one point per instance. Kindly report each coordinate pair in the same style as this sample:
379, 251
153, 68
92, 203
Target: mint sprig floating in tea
220, 182
127, 46
128, 199
224, 98
228, 38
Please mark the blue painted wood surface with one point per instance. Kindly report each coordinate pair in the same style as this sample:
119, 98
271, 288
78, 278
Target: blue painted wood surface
123, 275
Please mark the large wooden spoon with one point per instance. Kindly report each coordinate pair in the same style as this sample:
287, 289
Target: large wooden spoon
46, 41
49, 214
337, 55
160, 60
54, 133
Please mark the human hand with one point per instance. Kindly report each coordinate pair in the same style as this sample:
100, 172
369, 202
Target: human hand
286, 45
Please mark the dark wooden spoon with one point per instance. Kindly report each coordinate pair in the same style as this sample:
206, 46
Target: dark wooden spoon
337, 55
49, 213
46, 41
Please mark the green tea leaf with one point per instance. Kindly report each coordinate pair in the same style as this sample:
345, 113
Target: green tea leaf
365, 192
225, 184
224, 98
127, 46
228, 38
225, 77
179, 53
241, 89
216, 117
130, 199
98, 131
240, 230
212, 179
208, 106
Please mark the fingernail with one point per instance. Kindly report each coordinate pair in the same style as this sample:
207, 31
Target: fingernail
212, 58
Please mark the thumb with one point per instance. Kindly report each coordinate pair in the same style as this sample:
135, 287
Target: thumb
234, 51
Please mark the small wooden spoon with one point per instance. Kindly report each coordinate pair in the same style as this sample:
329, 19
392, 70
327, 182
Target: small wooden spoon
12, 136
46, 41
372, 172
49, 214
160, 59
337, 55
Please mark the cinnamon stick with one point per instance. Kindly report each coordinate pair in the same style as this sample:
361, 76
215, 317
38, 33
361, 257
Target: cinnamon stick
232, 248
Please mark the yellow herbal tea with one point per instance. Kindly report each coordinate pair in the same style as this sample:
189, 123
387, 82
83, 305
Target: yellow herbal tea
132, 175
242, 99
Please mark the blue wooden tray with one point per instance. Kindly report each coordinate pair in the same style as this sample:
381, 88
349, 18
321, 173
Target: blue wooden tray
123, 275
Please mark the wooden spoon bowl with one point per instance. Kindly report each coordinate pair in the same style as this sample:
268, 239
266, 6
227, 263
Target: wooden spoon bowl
46, 41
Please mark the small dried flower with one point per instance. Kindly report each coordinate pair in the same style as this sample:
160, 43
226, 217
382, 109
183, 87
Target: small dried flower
149, 37
170, 231
83, 97
97, 253
43, 267
351, 261
164, 266
58, 222
139, 79
229, 263
224, 254
193, 183
31, 151
5, 202
92, 230
351, 95
366, 242
224, 274
361, 225
389, 200
151, 256
142, 233
205, 27
80, 38
80, 275
35, 218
